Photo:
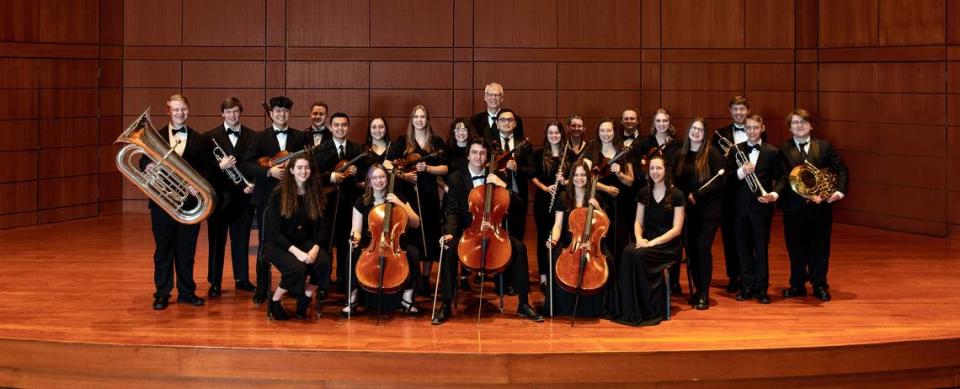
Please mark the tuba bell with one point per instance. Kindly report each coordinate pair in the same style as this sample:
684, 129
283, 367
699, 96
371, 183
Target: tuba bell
808, 181
168, 181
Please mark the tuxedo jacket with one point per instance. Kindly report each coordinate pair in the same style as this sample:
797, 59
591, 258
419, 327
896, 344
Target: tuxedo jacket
457, 213
265, 144
768, 171
525, 169
821, 154
231, 195
482, 126
194, 152
327, 136
325, 161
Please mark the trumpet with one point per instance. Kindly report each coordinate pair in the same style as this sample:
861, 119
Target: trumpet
232, 172
168, 181
725, 144
742, 159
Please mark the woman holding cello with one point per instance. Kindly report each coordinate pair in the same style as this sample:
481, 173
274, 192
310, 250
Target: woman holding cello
421, 183
639, 296
378, 192
551, 163
294, 231
570, 229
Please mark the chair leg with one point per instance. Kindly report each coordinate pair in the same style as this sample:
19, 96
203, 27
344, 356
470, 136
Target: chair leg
690, 278
666, 284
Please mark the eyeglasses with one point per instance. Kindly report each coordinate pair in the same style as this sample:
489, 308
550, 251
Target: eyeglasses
281, 111
506, 120
798, 122
493, 94
696, 129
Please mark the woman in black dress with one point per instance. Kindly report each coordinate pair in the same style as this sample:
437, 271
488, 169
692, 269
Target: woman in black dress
378, 142
456, 148
694, 165
374, 195
639, 296
293, 231
421, 187
573, 197
548, 181
615, 182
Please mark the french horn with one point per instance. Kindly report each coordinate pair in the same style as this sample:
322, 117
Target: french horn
808, 181
168, 181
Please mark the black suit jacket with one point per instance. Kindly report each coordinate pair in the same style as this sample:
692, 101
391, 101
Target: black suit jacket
231, 195
457, 212
327, 136
194, 152
482, 126
325, 161
525, 168
822, 155
266, 145
768, 171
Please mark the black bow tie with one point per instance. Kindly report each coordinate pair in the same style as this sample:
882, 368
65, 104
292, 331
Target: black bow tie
479, 178
278, 132
741, 128
231, 131
754, 147
631, 137
181, 130
321, 131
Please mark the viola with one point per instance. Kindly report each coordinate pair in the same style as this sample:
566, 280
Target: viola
581, 268
382, 266
655, 150
282, 157
409, 162
604, 167
485, 245
509, 156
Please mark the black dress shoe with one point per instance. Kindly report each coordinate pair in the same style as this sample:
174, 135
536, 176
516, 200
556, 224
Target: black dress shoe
464, 284
511, 291
701, 303
321, 295
443, 315
214, 291
744, 295
259, 299
303, 302
160, 303
763, 298
733, 286
821, 294
190, 299
527, 312
275, 311
794, 292
245, 285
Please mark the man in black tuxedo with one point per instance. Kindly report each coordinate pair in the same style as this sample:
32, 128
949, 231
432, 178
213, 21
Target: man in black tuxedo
458, 218
485, 123
519, 171
278, 137
807, 224
754, 210
176, 243
319, 133
345, 190
234, 211
735, 133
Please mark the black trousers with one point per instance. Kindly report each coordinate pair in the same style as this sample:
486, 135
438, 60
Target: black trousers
263, 267
807, 234
699, 233
516, 272
340, 233
176, 245
294, 273
753, 242
234, 221
728, 230
544, 220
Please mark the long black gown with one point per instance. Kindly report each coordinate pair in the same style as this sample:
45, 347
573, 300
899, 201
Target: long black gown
639, 296
542, 216
431, 215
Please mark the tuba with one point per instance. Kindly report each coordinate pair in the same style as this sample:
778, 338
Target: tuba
169, 180
808, 181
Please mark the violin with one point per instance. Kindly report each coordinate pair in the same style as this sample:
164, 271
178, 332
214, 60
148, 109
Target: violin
382, 266
655, 150
509, 155
485, 245
581, 268
409, 162
343, 165
282, 157
604, 168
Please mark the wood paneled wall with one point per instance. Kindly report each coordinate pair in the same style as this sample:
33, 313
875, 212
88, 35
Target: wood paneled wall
880, 76
60, 88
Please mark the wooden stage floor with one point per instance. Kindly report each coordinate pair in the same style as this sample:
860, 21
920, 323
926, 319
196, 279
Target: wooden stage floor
75, 308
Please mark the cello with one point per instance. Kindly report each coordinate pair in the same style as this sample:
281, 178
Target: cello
581, 268
382, 266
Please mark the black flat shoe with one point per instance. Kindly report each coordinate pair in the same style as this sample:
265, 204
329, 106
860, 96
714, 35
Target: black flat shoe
763, 298
276, 312
214, 291
190, 299
794, 292
821, 294
442, 316
303, 302
245, 285
527, 312
702, 303
160, 303
744, 295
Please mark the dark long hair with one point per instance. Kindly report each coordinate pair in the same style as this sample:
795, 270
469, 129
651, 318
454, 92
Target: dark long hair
547, 151
452, 140
645, 196
571, 190
702, 163
313, 199
386, 132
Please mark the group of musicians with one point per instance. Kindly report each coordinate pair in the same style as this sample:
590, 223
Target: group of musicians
651, 201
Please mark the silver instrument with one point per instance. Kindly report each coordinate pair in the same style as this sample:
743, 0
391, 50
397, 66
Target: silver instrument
232, 172
169, 179
742, 159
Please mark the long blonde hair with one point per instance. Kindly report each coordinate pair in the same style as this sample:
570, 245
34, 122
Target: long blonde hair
411, 132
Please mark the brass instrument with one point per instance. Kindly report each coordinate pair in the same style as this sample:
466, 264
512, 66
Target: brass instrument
168, 181
808, 181
742, 159
232, 172
725, 144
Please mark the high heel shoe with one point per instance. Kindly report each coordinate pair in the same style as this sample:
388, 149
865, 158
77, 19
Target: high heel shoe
303, 302
409, 308
275, 311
